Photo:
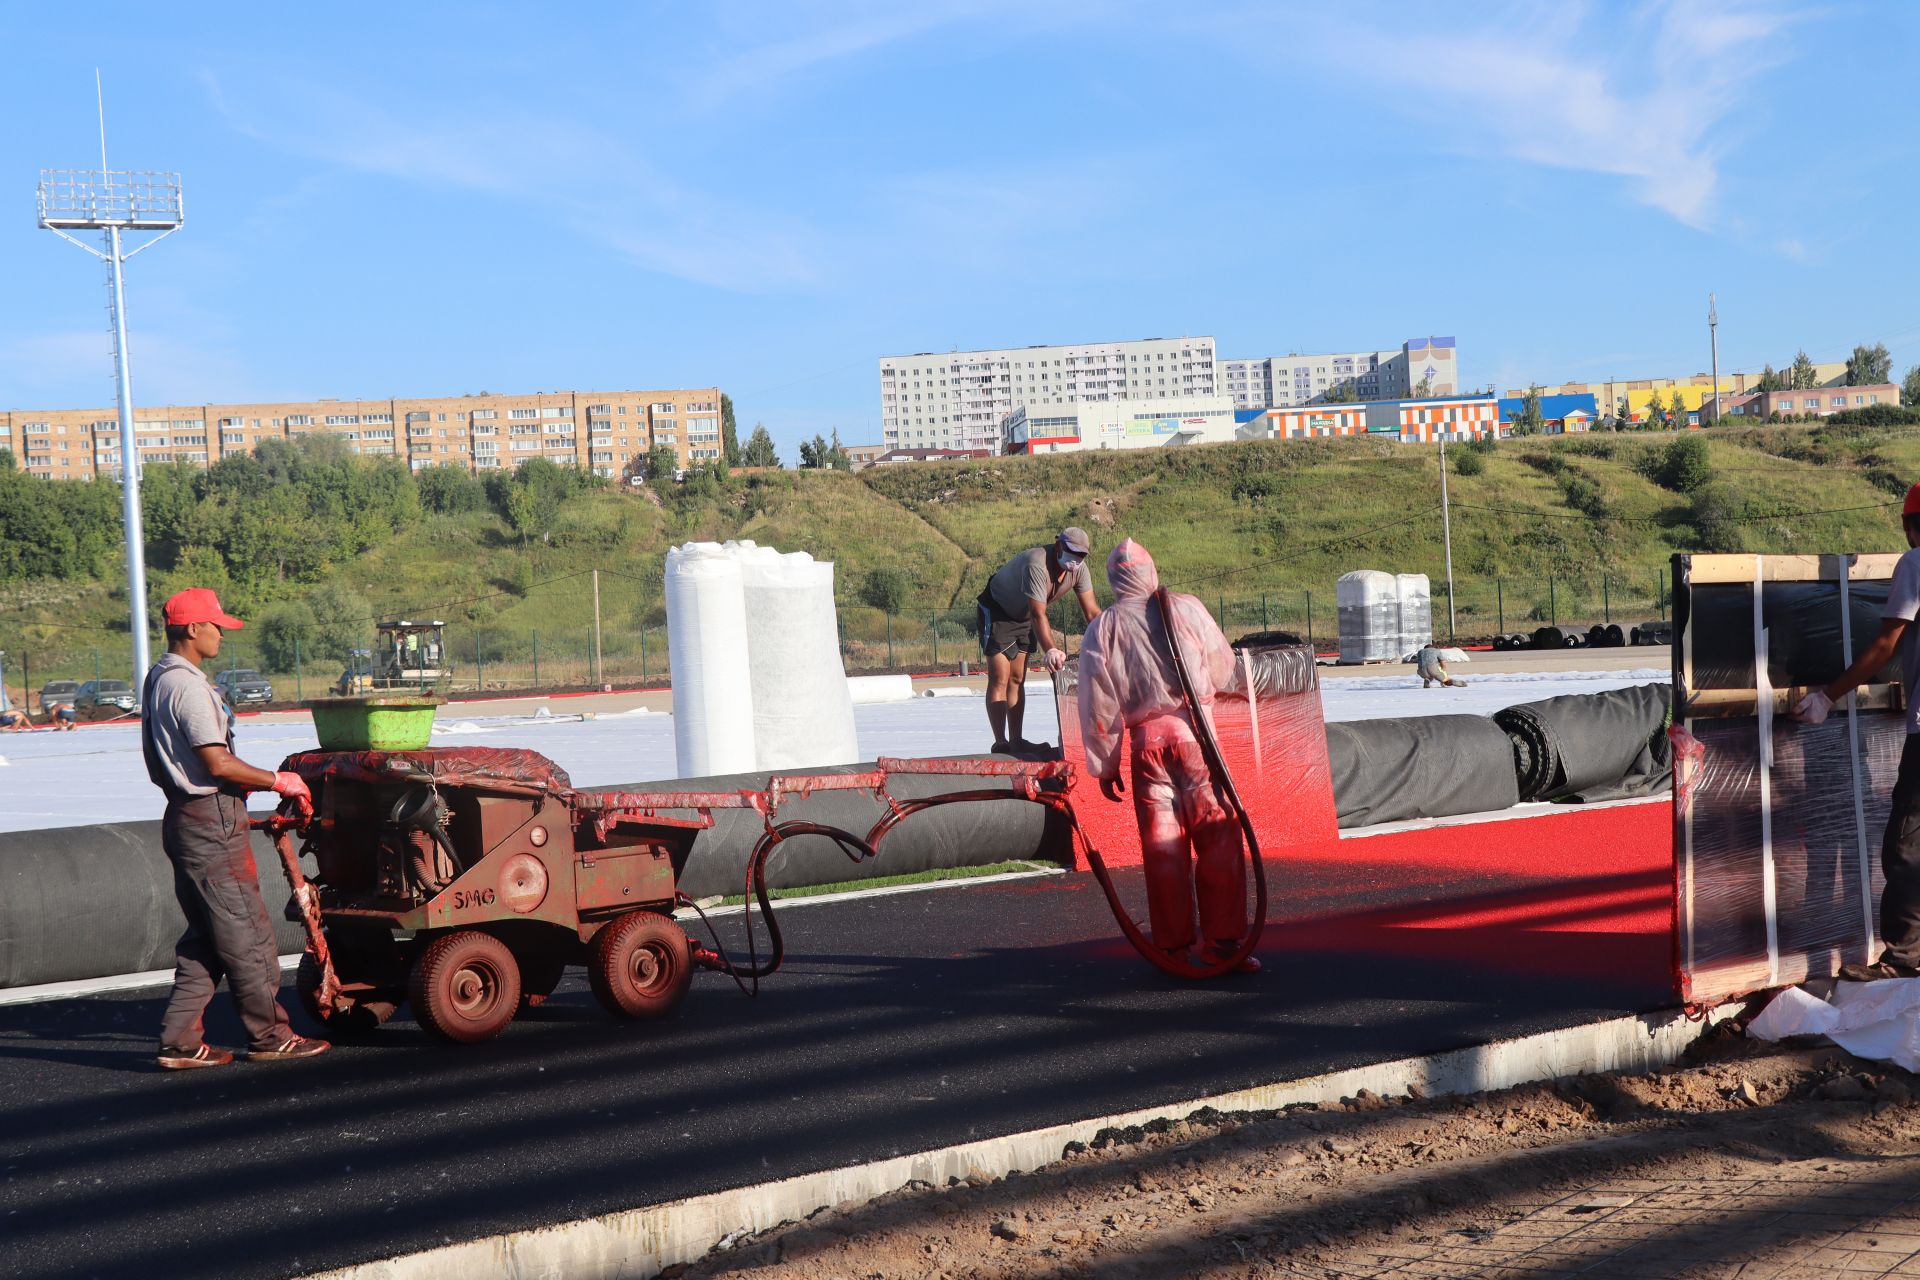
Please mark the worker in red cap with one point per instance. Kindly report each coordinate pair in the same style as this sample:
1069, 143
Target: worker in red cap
186, 734
1900, 847
1128, 684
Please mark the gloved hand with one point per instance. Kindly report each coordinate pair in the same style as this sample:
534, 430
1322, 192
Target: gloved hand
1113, 788
1814, 708
1056, 659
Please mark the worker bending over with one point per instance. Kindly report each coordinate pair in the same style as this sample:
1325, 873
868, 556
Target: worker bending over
1434, 670
1127, 682
1900, 847
1013, 623
186, 735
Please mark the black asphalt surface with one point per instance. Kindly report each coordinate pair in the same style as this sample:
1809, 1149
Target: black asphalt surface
900, 1023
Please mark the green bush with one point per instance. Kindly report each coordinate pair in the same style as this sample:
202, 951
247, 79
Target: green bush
1684, 466
1468, 462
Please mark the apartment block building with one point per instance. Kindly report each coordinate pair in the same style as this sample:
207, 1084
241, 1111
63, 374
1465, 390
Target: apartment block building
958, 399
609, 431
1425, 366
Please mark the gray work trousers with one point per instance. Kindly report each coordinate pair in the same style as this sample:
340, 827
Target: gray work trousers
228, 931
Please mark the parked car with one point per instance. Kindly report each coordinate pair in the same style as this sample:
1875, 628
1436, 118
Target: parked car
104, 697
56, 693
243, 685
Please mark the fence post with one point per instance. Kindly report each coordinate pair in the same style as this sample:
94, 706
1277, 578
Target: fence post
1606, 599
536, 655
933, 625
1500, 604
889, 641
1660, 591
643, 655
479, 667
298, 692
1553, 603
1223, 611
1309, 619
1266, 623
96, 666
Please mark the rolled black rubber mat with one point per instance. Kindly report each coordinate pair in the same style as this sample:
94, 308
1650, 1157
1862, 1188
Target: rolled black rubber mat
1592, 746
1419, 767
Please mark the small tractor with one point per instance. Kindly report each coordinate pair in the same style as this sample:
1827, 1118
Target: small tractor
405, 655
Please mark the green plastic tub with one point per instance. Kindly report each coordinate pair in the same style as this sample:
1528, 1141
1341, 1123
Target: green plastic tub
381, 722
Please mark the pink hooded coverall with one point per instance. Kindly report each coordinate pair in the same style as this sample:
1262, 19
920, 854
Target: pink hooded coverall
1127, 682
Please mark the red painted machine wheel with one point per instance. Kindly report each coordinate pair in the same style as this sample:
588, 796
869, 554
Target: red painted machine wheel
641, 965
465, 987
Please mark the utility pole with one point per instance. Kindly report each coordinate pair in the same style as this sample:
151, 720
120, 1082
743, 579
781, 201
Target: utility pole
110, 202
596, 626
1713, 341
1446, 528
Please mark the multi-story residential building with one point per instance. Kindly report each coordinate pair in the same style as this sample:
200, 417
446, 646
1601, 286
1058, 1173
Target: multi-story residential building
1821, 401
1421, 366
958, 399
1121, 424
609, 431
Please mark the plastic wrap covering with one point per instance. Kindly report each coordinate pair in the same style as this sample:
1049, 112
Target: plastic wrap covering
1419, 767
1274, 743
1369, 606
707, 657
1777, 824
1416, 613
802, 712
1592, 746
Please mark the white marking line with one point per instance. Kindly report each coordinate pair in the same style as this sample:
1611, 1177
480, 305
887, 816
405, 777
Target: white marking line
100, 986
163, 977
640, 1242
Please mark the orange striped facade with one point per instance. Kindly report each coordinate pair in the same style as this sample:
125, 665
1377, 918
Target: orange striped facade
1310, 421
1425, 421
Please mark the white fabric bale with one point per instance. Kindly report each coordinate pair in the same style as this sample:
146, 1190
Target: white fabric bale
713, 720
1415, 593
1369, 613
867, 690
802, 707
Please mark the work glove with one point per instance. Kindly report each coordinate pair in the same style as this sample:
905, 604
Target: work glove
292, 786
1056, 659
1113, 788
1814, 708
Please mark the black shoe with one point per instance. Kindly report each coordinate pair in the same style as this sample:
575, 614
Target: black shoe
1878, 971
1000, 749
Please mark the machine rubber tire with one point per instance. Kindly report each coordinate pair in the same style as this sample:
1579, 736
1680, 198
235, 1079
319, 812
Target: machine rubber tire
539, 975
641, 965
465, 986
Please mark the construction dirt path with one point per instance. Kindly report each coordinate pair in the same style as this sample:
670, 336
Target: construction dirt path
1748, 1161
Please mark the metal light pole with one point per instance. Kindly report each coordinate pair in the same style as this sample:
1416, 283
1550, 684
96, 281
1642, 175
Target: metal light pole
111, 202
1713, 340
1446, 529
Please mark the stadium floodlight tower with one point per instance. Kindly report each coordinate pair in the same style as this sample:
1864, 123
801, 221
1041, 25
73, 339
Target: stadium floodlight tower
115, 203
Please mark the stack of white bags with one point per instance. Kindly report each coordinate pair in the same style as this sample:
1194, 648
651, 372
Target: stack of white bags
754, 647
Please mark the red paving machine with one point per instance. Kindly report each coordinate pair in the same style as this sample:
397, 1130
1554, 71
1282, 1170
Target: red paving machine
466, 880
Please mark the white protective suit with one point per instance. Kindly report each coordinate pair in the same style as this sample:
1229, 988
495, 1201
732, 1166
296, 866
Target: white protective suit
1127, 683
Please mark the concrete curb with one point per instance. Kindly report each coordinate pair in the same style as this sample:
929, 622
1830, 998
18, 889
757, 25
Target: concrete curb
638, 1243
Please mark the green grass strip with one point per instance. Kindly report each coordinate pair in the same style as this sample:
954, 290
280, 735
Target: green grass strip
887, 882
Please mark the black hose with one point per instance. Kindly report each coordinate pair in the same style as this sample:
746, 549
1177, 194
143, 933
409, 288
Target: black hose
1223, 780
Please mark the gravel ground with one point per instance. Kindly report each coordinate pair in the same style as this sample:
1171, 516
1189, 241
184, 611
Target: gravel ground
1748, 1160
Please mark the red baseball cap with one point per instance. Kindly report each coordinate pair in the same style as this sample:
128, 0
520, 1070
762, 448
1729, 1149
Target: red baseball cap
199, 604
1911, 507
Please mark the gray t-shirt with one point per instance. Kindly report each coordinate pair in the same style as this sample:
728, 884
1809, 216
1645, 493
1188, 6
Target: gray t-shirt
1025, 578
1903, 601
180, 713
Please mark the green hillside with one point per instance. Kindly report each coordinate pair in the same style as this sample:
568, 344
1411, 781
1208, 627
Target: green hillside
1569, 529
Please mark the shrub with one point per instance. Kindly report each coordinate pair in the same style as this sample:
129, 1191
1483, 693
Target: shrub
284, 633
1468, 462
1716, 512
1684, 466
887, 588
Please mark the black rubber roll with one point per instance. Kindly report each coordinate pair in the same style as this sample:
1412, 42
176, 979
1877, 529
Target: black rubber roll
1418, 767
95, 901
1590, 746
1549, 638
1500, 644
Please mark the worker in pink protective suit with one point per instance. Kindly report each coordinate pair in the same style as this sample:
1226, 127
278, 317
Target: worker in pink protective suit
1127, 683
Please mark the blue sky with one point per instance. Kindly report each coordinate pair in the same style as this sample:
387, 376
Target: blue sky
428, 200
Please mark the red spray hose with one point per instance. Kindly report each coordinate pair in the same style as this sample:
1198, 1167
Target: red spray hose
1223, 781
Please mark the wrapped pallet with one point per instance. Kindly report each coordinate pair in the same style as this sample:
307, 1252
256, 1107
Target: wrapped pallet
802, 710
707, 655
1416, 613
1369, 605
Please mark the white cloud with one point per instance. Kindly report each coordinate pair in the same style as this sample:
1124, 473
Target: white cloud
768, 64
1643, 95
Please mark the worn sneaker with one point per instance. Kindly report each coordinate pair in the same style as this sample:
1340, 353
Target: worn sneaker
1878, 971
176, 1058
290, 1050
1215, 955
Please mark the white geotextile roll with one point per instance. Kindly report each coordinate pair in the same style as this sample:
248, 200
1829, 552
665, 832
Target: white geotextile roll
802, 712
707, 656
867, 690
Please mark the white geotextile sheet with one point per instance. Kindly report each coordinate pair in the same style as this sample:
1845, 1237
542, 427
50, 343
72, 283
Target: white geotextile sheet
1879, 1020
